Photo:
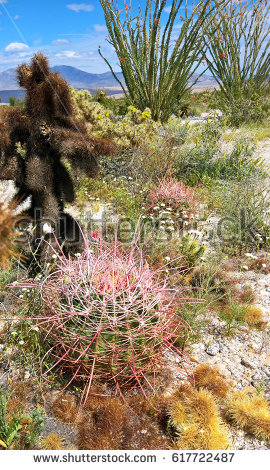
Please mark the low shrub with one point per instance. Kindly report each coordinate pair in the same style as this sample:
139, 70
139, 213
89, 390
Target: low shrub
172, 204
185, 252
118, 106
245, 210
204, 162
244, 106
129, 131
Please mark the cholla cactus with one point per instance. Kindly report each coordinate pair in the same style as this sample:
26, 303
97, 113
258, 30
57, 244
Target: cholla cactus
7, 235
197, 420
49, 132
136, 127
109, 316
90, 111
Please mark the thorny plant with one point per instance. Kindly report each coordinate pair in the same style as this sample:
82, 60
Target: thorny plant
157, 64
107, 315
238, 56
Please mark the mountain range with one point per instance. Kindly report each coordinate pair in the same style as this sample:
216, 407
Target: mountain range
78, 79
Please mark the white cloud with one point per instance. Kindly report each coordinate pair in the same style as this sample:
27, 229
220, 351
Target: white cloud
168, 9
68, 54
100, 28
80, 7
3, 1
58, 42
25, 54
16, 17
16, 47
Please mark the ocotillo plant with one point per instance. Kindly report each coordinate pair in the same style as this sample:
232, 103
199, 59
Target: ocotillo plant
157, 62
238, 57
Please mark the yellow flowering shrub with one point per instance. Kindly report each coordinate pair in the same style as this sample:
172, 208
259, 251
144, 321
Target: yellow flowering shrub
134, 128
91, 112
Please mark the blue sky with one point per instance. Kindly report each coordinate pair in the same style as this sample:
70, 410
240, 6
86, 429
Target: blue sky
68, 31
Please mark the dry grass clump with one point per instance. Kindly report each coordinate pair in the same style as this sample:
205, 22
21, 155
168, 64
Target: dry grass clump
65, 408
197, 421
210, 378
218, 283
52, 442
7, 235
245, 295
22, 395
102, 424
156, 410
249, 412
261, 265
254, 317
109, 424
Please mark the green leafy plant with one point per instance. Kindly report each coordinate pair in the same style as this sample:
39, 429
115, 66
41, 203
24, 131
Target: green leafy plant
238, 58
16, 102
244, 208
9, 431
234, 315
204, 162
157, 65
18, 429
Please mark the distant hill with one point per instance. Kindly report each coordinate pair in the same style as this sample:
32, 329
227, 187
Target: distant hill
75, 77
8, 80
78, 79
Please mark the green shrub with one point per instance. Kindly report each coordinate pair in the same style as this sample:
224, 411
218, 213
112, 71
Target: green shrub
234, 315
248, 105
184, 252
13, 101
204, 162
118, 106
245, 210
